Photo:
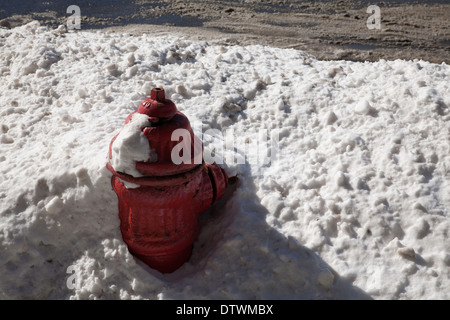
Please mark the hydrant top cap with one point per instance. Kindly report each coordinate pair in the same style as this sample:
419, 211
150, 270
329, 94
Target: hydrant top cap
157, 105
158, 94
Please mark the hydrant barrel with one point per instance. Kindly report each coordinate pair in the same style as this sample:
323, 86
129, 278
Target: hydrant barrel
159, 213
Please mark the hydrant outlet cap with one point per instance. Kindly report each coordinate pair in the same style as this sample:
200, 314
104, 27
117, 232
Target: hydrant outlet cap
157, 105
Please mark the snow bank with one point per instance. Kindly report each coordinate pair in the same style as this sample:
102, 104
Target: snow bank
354, 205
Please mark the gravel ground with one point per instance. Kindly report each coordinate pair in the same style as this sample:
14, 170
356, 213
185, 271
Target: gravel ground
330, 30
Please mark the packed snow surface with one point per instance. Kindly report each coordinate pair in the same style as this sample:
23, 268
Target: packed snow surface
353, 202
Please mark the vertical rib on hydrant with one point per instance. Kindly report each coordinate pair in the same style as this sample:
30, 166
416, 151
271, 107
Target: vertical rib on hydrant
159, 206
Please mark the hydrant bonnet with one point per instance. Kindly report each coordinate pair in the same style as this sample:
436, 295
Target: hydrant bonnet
157, 105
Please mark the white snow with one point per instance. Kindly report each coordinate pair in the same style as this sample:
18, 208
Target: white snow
354, 205
131, 146
54, 206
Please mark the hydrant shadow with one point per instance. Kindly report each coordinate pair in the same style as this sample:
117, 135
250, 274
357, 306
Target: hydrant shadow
246, 258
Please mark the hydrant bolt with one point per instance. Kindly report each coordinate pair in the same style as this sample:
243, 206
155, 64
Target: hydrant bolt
158, 94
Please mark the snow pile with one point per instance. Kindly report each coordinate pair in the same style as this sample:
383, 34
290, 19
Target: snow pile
354, 205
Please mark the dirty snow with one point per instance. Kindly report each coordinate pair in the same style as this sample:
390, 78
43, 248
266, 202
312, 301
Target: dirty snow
355, 204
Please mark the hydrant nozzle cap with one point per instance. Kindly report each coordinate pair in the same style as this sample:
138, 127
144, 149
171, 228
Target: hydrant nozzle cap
157, 106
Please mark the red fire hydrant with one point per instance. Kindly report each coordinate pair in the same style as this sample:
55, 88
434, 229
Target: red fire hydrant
159, 215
